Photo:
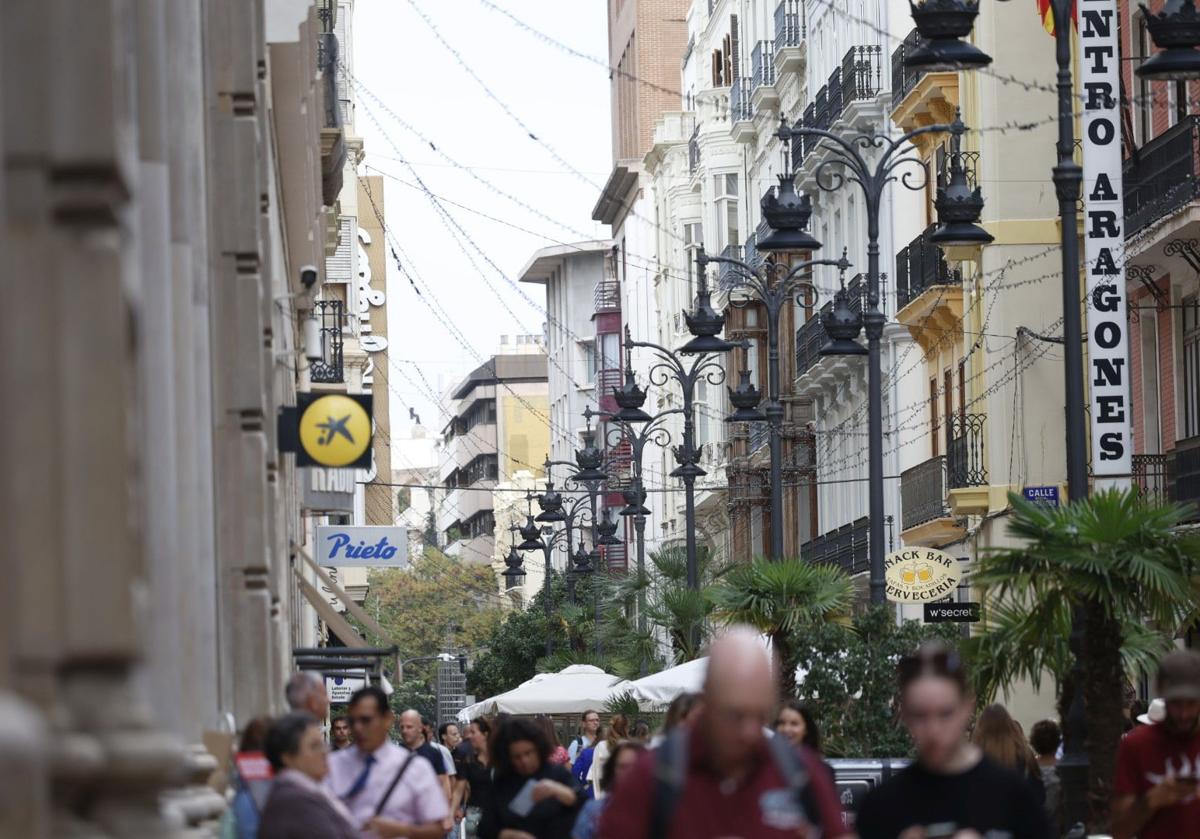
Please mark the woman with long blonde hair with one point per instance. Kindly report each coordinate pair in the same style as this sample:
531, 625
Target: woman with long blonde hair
1001, 739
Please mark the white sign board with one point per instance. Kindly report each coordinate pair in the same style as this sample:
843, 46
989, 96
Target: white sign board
342, 688
1104, 245
366, 547
919, 575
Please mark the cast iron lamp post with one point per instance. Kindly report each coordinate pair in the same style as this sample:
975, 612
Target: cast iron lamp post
536, 536
848, 162
775, 285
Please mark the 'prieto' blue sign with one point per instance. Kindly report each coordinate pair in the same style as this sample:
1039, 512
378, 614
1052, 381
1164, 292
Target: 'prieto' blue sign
1046, 496
367, 547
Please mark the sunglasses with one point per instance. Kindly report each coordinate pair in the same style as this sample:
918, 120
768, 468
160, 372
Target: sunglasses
939, 663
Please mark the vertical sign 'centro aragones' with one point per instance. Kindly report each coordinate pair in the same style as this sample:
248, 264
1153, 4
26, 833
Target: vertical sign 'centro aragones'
1104, 244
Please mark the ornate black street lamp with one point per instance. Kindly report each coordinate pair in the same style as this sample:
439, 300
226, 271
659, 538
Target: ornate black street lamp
638, 428
535, 537
1176, 31
775, 285
872, 161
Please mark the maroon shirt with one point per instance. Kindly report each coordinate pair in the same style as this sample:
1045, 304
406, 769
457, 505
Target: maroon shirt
763, 799
1148, 754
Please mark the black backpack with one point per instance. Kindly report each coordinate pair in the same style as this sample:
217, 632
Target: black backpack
670, 775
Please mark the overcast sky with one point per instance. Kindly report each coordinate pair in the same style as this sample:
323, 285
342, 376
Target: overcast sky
563, 100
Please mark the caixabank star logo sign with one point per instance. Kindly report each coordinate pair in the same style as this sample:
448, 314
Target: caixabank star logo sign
329, 429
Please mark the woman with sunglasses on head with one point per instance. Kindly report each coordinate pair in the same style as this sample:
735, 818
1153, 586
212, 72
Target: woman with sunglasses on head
952, 789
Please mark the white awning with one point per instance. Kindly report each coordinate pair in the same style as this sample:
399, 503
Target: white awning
573, 690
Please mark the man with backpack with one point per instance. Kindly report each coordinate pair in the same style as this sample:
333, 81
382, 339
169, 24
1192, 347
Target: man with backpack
589, 731
724, 776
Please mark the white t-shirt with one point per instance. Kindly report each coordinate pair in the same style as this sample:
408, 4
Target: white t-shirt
447, 758
596, 770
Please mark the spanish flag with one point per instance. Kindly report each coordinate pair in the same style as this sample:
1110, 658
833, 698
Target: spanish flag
1047, 14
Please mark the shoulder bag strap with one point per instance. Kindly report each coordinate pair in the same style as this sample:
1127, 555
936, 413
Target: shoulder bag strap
399, 774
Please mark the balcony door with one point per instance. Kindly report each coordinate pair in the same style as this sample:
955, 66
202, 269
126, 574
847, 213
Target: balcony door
1191, 368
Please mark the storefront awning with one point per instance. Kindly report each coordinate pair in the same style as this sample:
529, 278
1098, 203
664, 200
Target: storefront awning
340, 626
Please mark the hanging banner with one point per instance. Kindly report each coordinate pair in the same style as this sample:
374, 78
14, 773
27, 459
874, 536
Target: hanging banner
1104, 245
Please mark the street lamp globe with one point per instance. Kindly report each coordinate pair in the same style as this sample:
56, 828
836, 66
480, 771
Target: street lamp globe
745, 398
787, 214
629, 397
514, 568
842, 325
635, 501
1176, 31
552, 505
704, 322
942, 24
959, 207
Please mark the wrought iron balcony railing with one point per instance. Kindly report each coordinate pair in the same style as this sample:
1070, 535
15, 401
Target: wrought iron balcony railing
607, 296
1154, 475
1163, 176
789, 24
845, 547
812, 336
725, 271
861, 73
741, 108
905, 79
923, 492
965, 464
330, 369
920, 265
762, 66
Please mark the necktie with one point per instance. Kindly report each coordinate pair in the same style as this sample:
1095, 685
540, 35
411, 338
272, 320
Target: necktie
361, 780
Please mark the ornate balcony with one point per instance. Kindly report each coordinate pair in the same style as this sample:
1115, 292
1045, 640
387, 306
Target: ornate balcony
846, 547
929, 295
857, 79
920, 97
790, 34
741, 111
927, 519
607, 296
331, 368
762, 75
1162, 178
725, 271
966, 467
811, 336
1154, 475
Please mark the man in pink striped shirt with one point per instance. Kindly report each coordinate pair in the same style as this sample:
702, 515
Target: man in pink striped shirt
388, 790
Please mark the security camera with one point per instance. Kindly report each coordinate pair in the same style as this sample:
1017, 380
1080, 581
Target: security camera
308, 276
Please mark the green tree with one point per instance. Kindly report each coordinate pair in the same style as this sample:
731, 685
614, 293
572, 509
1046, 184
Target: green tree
1120, 560
671, 607
850, 679
437, 604
779, 598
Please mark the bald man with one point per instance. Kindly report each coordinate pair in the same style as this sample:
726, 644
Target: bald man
723, 777
412, 735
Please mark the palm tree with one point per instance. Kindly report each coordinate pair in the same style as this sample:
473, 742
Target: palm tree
779, 597
671, 607
1120, 560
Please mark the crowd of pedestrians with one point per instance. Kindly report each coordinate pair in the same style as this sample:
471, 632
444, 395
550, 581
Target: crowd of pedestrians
731, 761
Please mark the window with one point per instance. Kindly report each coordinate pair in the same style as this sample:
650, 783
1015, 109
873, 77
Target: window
948, 398
703, 435
1191, 367
610, 351
587, 355
1141, 108
933, 417
1152, 437
725, 194
693, 239
962, 387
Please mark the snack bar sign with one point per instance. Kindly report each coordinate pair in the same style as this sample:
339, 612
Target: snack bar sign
1104, 243
919, 575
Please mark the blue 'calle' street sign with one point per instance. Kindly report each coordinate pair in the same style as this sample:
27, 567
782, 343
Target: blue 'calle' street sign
1046, 496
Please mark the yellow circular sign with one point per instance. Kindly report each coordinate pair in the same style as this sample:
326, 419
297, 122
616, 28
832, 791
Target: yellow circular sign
920, 575
335, 430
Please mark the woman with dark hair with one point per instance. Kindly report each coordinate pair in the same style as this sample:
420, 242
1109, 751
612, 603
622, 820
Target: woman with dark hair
797, 724
299, 806
243, 815
622, 759
951, 787
618, 730
558, 753
1001, 739
531, 798
475, 773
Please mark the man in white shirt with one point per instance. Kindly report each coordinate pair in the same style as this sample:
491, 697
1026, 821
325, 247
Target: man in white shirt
382, 784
